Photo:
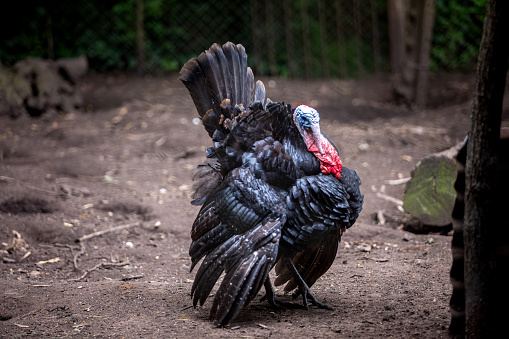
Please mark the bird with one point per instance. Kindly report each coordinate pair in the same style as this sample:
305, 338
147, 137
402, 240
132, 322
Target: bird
273, 191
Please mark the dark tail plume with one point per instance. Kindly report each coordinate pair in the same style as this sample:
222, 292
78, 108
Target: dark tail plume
219, 73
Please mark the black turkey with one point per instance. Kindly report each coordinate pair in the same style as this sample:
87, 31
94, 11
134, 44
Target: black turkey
273, 190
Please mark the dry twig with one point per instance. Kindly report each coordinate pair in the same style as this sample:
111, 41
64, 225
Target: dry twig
96, 234
389, 198
103, 264
9, 179
72, 248
116, 228
395, 182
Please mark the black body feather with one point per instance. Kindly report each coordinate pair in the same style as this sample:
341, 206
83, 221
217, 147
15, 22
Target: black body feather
264, 200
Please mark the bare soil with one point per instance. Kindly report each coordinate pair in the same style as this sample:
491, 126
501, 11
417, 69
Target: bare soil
129, 160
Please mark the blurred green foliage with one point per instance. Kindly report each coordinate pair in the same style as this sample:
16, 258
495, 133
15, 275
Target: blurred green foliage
344, 38
457, 34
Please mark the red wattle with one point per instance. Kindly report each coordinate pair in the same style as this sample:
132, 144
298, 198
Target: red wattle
329, 160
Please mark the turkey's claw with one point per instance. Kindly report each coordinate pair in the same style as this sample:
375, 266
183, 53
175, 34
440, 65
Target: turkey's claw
273, 301
303, 288
307, 296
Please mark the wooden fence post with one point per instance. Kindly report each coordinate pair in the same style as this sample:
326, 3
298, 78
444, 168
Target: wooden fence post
396, 16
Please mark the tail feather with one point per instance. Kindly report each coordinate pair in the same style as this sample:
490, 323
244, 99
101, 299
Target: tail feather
250, 85
219, 73
245, 87
260, 92
236, 76
215, 81
194, 79
225, 73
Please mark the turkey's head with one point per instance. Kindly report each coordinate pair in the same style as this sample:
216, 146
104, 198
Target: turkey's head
307, 121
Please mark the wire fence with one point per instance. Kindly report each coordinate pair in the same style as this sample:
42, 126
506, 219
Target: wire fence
302, 38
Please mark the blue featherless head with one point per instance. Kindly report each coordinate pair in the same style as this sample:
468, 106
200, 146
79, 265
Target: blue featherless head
307, 116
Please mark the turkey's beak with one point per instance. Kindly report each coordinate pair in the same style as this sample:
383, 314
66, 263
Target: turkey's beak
317, 137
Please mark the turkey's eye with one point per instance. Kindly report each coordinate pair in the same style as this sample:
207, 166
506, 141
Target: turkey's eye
304, 121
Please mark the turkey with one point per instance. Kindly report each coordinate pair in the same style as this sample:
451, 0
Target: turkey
273, 191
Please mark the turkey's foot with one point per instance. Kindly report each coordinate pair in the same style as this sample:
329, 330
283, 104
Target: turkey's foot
273, 301
308, 297
304, 290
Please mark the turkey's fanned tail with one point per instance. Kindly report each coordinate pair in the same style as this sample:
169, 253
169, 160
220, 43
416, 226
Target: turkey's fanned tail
220, 73
222, 87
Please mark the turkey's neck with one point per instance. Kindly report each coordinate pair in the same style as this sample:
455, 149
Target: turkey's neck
322, 149
326, 153
329, 158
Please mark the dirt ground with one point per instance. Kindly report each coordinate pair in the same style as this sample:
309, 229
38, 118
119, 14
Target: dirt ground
128, 162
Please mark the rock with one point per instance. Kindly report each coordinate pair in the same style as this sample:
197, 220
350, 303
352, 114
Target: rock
36, 86
429, 194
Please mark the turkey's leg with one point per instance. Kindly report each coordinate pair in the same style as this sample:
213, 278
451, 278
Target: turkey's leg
303, 287
273, 301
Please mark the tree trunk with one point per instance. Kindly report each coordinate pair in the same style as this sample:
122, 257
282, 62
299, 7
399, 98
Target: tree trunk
426, 19
483, 205
396, 16
410, 33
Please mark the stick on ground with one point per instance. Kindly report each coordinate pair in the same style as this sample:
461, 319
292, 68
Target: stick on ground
103, 264
112, 229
